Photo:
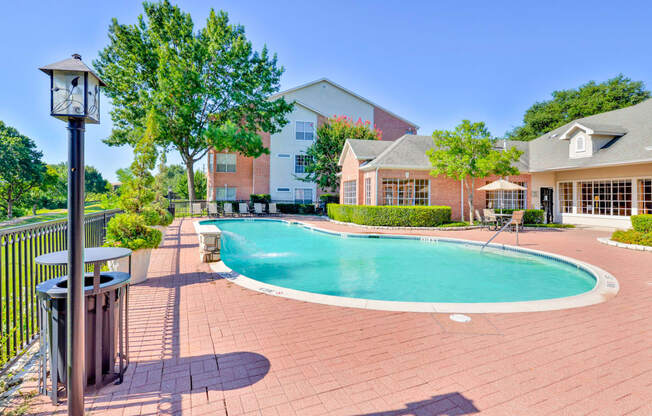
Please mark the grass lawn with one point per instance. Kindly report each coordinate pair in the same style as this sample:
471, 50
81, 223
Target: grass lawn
52, 214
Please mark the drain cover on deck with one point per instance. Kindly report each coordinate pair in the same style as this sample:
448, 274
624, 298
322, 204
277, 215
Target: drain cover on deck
458, 317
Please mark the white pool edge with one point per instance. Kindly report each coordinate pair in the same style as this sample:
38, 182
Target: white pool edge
606, 286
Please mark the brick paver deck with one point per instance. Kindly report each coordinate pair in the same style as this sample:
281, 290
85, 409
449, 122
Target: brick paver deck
202, 345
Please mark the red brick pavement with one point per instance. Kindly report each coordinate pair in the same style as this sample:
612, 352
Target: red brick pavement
202, 345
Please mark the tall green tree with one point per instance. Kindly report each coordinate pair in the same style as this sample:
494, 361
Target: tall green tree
93, 181
180, 187
469, 152
325, 152
568, 105
21, 168
208, 87
124, 175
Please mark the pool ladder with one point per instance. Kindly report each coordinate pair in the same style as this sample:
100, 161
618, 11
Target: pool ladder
500, 231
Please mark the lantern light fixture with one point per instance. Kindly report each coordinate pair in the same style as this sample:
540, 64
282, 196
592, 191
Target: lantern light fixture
74, 90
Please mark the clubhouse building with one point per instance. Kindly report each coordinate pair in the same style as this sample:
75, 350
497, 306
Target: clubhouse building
593, 171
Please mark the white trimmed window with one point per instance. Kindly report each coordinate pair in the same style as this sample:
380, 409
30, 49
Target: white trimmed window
225, 162
367, 191
580, 143
305, 130
605, 197
510, 199
350, 194
303, 196
300, 163
645, 196
210, 157
566, 197
404, 192
225, 194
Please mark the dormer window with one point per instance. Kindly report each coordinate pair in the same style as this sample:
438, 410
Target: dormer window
587, 138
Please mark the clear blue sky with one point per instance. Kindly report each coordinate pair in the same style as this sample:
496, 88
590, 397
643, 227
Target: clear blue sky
434, 63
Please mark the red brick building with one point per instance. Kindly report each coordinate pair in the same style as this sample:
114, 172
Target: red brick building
398, 173
231, 176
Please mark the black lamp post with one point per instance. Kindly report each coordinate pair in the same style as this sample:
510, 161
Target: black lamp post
75, 98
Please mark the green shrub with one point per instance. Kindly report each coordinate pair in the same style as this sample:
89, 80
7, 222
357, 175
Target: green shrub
330, 198
260, 198
156, 214
393, 216
131, 231
296, 208
642, 223
531, 216
632, 237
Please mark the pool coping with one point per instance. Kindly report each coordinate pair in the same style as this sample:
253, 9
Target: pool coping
606, 286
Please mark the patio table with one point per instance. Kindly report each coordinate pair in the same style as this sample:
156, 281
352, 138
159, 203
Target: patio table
503, 219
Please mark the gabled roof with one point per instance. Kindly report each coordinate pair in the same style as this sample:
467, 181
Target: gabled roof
594, 128
408, 152
307, 107
363, 149
633, 124
338, 86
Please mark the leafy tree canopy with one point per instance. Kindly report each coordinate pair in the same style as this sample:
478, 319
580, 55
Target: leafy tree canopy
325, 152
21, 168
209, 88
568, 105
469, 152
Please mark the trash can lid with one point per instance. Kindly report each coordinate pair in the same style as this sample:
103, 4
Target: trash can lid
57, 288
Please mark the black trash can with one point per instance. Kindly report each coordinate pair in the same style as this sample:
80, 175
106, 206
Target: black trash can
105, 327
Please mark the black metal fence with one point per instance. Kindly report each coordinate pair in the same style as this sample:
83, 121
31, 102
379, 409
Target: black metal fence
19, 275
185, 208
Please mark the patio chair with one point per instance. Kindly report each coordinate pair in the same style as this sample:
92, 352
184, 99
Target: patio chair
228, 209
258, 209
490, 218
517, 220
272, 209
212, 209
243, 208
196, 209
480, 219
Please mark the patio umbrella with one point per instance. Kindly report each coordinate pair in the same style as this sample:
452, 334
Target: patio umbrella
501, 185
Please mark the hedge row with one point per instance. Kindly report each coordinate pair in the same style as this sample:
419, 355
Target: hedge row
632, 237
330, 198
642, 223
296, 208
393, 216
531, 216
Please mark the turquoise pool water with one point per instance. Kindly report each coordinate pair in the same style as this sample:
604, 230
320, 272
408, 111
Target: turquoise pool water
292, 256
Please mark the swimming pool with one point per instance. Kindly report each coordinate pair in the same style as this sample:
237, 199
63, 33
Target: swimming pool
394, 269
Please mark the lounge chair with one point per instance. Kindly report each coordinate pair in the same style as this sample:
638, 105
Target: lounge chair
243, 208
212, 209
490, 218
272, 209
517, 220
196, 209
258, 208
228, 209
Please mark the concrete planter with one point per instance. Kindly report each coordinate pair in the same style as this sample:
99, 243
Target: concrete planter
163, 230
139, 265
